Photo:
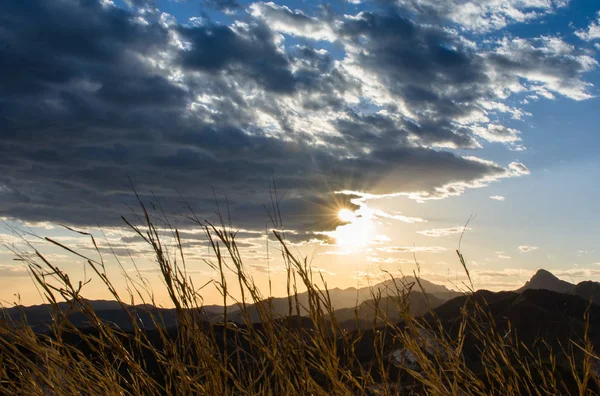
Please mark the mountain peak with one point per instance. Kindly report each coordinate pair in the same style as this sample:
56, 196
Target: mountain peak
544, 279
544, 276
543, 272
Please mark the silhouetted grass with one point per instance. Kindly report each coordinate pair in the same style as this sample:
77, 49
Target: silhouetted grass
310, 355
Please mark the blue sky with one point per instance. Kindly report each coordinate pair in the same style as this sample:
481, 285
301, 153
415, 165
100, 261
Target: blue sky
413, 115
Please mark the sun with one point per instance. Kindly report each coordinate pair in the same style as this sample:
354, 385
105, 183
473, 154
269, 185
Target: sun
355, 233
346, 215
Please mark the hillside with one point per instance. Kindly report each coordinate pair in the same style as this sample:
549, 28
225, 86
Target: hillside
389, 308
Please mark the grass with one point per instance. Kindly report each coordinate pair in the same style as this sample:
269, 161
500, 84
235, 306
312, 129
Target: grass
313, 355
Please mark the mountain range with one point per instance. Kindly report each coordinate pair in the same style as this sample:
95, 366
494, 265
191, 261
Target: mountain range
353, 307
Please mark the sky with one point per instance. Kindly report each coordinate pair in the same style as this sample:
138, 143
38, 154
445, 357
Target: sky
383, 126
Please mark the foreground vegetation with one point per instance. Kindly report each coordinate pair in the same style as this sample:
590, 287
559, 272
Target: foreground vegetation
468, 354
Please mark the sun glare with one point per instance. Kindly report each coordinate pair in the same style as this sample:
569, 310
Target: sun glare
346, 215
356, 232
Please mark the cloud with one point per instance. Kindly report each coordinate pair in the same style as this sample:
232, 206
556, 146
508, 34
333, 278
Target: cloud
412, 249
245, 50
14, 271
498, 133
586, 273
366, 277
484, 15
380, 214
443, 232
337, 253
497, 197
322, 271
548, 64
592, 32
527, 249
507, 272
296, 23
387, 260
267, 269
228, 6
502, 255
97, 96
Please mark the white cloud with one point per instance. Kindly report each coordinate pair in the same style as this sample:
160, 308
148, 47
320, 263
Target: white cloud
443, 232
14, 271
502, 255
337, 253
322, 271
497, 197
295, 23
497, 133
585, 273
503, 273
516, 113
397, 216
412, 249
527, 249
514, 169
487, 15
549, 66
387, 260
167, 20
592, 32
366, 276
196, 21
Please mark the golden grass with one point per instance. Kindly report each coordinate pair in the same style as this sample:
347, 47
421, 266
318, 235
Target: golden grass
277, 357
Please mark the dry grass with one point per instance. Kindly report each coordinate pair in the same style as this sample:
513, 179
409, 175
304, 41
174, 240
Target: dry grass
277, 357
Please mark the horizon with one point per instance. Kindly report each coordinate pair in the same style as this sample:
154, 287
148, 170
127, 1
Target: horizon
465, 291
387, 133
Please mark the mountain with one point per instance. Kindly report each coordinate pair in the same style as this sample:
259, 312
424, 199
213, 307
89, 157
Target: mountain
588, 290
111, 311
418, 304
351, 298
532, 314
388, 288
546, 280
39, 317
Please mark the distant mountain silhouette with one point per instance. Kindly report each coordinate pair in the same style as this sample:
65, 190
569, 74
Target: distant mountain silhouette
348, 304
388, 307
350, 298
588, 290
546, 280
39, 316
341, 299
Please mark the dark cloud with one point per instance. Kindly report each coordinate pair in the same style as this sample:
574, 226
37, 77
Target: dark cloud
436, 77
222, 5
250, 52
97, 95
